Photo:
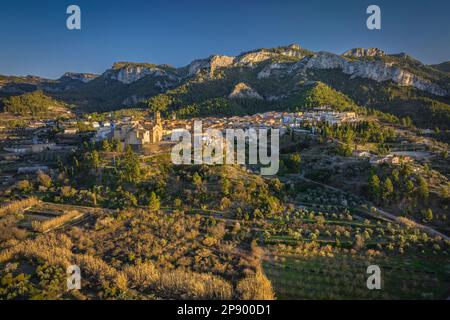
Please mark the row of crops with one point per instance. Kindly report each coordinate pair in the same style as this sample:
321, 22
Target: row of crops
325, 255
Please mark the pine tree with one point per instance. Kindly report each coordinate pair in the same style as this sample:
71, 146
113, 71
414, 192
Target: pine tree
429, 215
422, 189
387, 190
154, 203
374, 186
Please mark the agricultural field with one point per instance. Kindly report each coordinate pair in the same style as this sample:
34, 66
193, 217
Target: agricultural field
137, 254
44, 217
320, 255
141, 227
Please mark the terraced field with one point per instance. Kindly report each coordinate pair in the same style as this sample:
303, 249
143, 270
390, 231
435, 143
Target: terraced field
54, 215
296, 277
324, 255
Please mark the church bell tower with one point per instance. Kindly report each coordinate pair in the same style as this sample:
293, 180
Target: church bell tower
158, 118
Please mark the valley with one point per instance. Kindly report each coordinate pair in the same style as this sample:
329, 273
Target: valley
140, 227
88, 178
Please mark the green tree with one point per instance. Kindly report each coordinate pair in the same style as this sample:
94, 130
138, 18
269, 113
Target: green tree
429, 215
154, 203
422, 189
374, 186
344, 150
125, 199
387, 190
94, 159
226, 185
294, 162
407, 122
409, 187
118, 147
106, 146
159, 103
129, 168
197, 180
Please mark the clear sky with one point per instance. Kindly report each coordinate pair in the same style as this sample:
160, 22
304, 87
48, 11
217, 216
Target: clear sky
34, 38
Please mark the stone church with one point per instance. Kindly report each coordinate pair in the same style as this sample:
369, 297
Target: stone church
138, 134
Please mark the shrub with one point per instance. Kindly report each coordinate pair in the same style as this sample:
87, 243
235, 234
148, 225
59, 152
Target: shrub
192, 285
407, 222
51, 248
255, 287
97, 268
142, 276
44, 179
24, 186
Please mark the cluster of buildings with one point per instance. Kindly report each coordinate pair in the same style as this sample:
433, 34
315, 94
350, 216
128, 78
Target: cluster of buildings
387, 159
319, 115
133, 133
140, 133
279, 120
32, 148
391, 159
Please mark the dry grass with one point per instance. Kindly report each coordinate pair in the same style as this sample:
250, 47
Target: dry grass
192, 285
142, 276
51, 248
255, 287
178, 283
96, 268
407, 222
46, 225
18, 206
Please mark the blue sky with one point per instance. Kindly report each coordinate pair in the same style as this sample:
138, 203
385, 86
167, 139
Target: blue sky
34, 38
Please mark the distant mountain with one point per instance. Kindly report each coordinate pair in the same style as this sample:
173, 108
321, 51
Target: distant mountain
258, 80
444, 67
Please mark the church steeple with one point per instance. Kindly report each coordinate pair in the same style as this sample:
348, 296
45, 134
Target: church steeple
158, 118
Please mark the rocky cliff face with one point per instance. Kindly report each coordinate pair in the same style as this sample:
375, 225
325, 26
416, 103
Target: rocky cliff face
246, 59
361, 53
83, 77
374, 70
288, 66
221, 62
270, 70
244, 91
210, 64
252, 58
130, 74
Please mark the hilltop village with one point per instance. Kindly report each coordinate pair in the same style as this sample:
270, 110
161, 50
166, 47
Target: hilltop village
144, 134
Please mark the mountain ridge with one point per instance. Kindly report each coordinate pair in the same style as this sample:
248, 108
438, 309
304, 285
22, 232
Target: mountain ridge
371, 77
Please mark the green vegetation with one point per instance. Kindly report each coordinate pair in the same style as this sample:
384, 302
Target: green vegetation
444, 67
35, 104
325, 254
360, 132
424, 109
319, 95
